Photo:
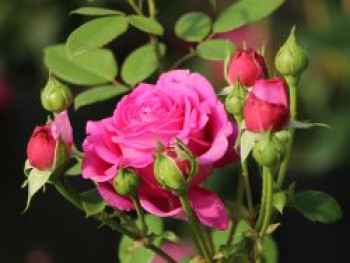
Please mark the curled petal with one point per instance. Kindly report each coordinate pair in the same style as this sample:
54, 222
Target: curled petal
210, 210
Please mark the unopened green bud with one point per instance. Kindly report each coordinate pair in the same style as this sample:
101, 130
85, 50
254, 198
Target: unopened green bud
235, 100
126, 182
167, 173
269, 151
291, 59
56, 96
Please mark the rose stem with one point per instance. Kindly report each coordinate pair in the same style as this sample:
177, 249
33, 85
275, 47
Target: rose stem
63, 186
198, 235
140, 215
292, 85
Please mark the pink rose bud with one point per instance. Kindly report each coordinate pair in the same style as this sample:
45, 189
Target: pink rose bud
267, 106
42, 145
41, 148
247, 66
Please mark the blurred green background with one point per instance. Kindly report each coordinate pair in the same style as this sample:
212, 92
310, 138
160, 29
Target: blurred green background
52, 231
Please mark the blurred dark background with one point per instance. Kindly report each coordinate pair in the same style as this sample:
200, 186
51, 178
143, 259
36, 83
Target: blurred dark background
53, 231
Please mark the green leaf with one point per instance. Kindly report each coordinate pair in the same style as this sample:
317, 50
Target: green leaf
27, 167
96, 11
248, 141
244, 12
75, 169
270, 250
96, 33
98, 94
154, 224
35, 181
140, 64
92, 68
170, 236
279, 201
193, 27
294, 124
131, 252
216, 49
317, 206
146, 24
92, 202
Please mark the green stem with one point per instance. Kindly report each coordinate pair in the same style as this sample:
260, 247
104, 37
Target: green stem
140, 215
63, 186
266, 203
293, 100
183, 59
134, 7
240, 188
196, 230
248, 191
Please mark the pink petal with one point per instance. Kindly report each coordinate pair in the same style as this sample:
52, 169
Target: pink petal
177, 251
61, 128
272, 91
113, 198
208, 207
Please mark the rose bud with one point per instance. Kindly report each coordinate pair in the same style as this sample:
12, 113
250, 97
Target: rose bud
56, 96
291, 59
267, 106
247, 66
41, 148
167, 172
126, 182
269, 150
234, 102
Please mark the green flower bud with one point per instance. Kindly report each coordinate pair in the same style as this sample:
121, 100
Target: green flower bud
291, 59
167, 173
269, 151
234, 102
56, 96
126, 182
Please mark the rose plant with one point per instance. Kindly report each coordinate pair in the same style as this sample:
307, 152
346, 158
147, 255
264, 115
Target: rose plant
151, 157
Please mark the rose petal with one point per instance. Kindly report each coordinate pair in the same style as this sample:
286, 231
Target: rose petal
61, 128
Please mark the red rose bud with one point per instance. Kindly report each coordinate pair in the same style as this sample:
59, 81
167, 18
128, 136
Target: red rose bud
41, 148
247, 66
267, 106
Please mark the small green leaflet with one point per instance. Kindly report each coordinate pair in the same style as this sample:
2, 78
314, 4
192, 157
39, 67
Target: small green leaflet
270, 249
75, 169
95, 34
193, 27
317, 206
244, 12
92, 68
92, 202
279, 201
216, 49
146, 24
98, 94
141, 64
96, 11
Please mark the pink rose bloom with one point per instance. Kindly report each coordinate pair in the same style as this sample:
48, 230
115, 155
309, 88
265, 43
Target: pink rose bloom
42, 144
181, 105
267, 106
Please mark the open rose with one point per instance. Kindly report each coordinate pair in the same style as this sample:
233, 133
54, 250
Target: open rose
181, 105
